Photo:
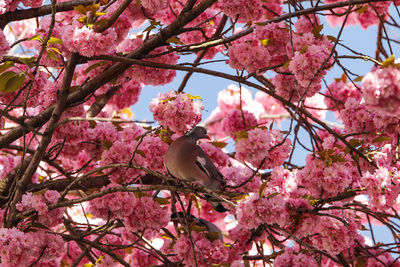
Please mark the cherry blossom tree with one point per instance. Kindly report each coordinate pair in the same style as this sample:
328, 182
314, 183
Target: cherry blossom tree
83, 184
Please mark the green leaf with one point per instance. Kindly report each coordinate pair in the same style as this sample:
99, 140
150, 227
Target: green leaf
5, 77
51, 55
272, 195
54, 40
6, 65
241, 135
175, 40
106, 144
98, 14
265, 42
15, 83
139, 2
141, 153
161, 201
83, 19
194, 96
358, 79
388, 62
362, 9
29, 61
332, 38
167, 99
303, 49
381, 139
219, 144
35, 37
262, 189
317, 30
55, 50
95, 65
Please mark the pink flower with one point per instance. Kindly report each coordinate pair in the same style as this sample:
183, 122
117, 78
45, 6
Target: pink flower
176, 111
208, 252
269, 209
237, 175
293, 257
238, 120
233, 97
381, 88
263, 148
382, 187
4, 45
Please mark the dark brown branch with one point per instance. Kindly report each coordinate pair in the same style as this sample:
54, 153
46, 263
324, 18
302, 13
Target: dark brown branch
39, 11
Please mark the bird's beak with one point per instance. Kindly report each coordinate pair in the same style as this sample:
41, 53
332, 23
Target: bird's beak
207, 137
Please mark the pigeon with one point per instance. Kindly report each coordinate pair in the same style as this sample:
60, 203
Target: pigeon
185, 160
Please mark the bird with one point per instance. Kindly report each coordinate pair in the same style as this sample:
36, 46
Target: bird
187, 161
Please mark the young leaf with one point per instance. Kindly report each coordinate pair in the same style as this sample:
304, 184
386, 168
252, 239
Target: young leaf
175, 40
6, 65
95, 65
194, 96
265, 42
387, 62
4, 77
54, 40
15, 83
219, 144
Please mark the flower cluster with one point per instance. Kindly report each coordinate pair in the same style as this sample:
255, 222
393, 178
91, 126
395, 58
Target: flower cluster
381, 89
269, 209
208, 251
262, 148
4, 45
23, 249
382, 187
46, 217
246, 11
176, 111
137, 213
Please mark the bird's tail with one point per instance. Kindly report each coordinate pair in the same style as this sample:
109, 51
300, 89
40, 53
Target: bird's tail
217, 205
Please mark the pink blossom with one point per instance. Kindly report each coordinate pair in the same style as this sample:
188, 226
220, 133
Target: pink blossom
147, 216
32, 3
7, 164
272, 107
237, 175
238, 120
269, 209
120, 152
316, 106
86, 41
325, 181
23, 249
148, 75
339, 92
382, 187
140, 258
381, 88
333, 235
127, 95
207, 252
293, 257
246, 11
233, 97
214, 125
176, 111
262, 148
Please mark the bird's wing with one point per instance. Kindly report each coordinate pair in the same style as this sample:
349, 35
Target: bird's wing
206, 165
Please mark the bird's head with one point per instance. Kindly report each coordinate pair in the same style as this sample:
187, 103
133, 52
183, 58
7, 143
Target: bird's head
197, 133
